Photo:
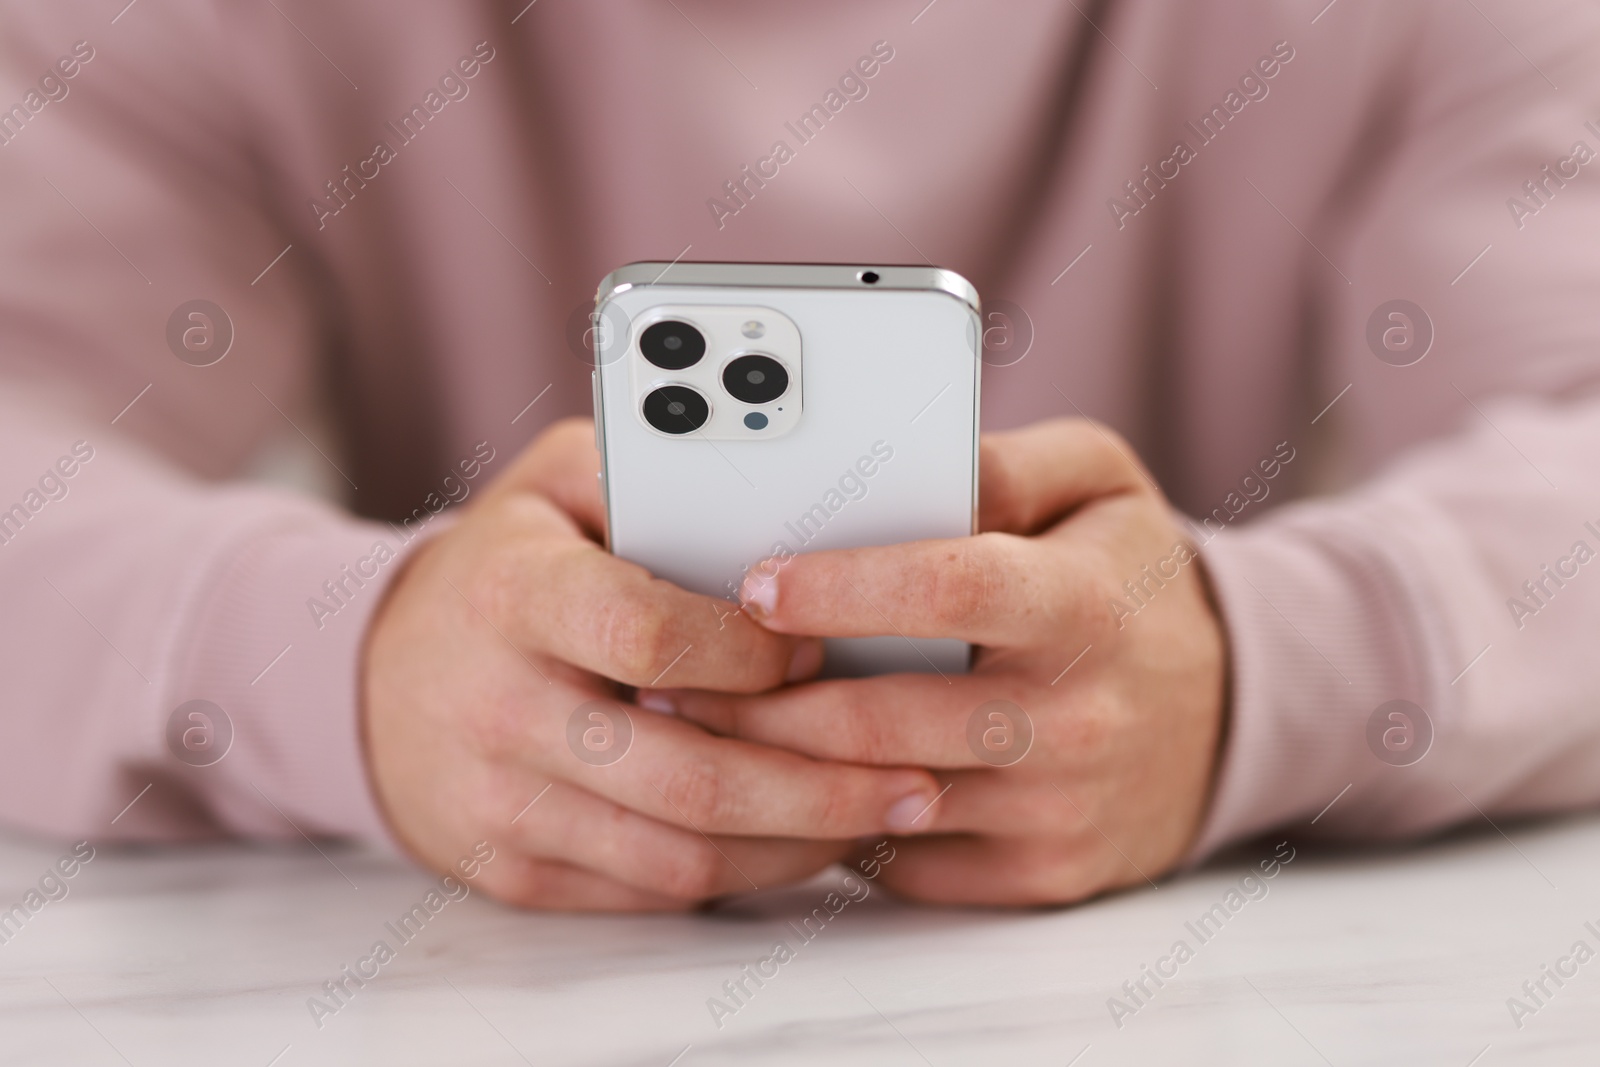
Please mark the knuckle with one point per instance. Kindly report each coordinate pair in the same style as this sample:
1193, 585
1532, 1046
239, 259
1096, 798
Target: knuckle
1115, 451
969, 584
520, 883
864, 731
1104, 609
491, 795
693, 872
1090, 733
495, 724
634, 640
572, 430
559, 439
1050, 879
836, 806
1105, 439
1004, 491
496, 585
696, 791
1102, 612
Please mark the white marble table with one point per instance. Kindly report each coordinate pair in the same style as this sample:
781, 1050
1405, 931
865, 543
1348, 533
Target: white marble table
209, 955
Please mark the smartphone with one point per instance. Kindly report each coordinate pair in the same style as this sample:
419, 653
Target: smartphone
747, 412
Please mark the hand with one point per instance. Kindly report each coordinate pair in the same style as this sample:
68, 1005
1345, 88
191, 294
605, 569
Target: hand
1125, 704
503, 625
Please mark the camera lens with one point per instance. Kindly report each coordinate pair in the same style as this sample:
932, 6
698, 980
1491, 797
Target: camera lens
672, 345
755, 379
676, 409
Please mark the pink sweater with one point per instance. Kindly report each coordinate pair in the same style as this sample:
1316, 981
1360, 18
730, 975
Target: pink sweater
1192, 213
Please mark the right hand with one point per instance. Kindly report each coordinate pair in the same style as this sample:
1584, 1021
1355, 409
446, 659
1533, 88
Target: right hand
500, 627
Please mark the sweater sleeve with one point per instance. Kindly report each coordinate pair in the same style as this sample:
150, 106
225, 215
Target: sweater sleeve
1460, 577
167, 672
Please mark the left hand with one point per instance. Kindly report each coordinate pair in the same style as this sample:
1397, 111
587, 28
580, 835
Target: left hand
1124, 740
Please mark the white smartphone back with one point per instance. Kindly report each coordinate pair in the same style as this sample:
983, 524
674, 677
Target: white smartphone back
873, 441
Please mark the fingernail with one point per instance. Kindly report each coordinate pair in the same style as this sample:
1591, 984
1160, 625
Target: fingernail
656, 700
807, 661
759, 593
904, 815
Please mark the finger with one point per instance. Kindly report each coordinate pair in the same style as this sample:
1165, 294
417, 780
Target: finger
1011, 802
527, 882
1010, 871
1029, 479
677, 773
995, 589
573, 600
1122, 809
563, 466
888, 721
572, 825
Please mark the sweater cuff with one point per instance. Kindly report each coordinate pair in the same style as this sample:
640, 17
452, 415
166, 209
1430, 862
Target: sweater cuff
278, 646
1317, 626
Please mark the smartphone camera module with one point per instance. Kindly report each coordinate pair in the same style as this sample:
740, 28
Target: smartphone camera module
715, 372
755, 379
676, 409
672, 345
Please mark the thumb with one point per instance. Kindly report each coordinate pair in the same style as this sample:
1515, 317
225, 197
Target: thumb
562, 465
1030, 479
